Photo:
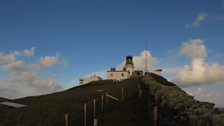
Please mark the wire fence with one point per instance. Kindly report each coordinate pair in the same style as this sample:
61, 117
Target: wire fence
93, 109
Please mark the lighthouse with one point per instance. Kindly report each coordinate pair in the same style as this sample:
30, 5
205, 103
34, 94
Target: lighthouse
129, 65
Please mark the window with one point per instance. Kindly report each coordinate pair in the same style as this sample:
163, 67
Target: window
122, 74
138, 73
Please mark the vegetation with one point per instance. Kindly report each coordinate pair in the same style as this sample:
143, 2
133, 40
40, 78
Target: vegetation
49, 110
176, 107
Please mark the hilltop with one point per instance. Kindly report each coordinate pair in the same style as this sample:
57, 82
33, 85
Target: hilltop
140, 96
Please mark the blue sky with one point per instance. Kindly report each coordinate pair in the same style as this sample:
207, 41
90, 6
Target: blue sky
91, 36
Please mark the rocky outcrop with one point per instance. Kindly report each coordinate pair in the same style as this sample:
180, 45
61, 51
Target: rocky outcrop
177, 108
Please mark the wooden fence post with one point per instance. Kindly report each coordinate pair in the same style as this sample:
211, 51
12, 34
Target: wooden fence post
139, 86
66, 119
94, 108
106, 99
95, 122
102, 102
122, 94
140, 92
84, 114
155, 115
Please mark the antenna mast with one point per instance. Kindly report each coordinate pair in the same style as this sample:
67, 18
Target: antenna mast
146, 61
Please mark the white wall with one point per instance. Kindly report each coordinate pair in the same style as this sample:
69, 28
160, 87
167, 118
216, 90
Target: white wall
117, 75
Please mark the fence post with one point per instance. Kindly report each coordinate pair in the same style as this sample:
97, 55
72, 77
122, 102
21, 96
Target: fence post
155, 115
102, 102
66, 119
139, 86
140, 92
106, 99
85, 114
122, 94
94, 108
95, 122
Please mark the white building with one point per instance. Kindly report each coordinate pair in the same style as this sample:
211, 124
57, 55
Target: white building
127, 71
117, 75
86, 80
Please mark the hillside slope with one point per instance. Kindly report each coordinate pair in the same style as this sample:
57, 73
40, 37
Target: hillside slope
49, 110
175, 106
179, 108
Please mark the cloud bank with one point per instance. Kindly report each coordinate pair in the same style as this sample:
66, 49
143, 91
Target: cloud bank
199, 72
23, 79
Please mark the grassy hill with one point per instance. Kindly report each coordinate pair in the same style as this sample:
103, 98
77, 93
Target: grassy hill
176, 107
49, 110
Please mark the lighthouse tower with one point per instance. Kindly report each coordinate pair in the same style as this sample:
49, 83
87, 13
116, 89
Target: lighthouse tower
129, 66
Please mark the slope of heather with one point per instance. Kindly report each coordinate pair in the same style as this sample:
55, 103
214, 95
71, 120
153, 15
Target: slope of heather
141, 95
49, 110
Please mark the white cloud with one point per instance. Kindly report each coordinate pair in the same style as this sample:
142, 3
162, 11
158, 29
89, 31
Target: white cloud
44, 62
27, 83
199, 72
171, 70
194, 48
14, 66
202, 93
140, 61
48, 61
30, 52
26, 79
25, 52
201, 17
7, 58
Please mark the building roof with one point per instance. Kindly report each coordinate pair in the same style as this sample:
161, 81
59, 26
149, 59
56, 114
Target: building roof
12, 104
138, 71
117, 71
158, 70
